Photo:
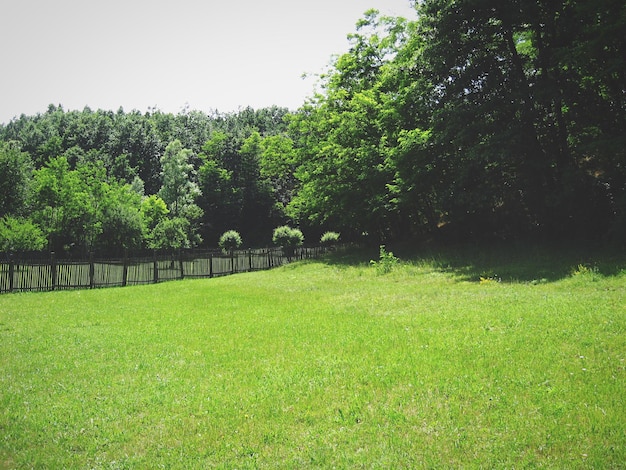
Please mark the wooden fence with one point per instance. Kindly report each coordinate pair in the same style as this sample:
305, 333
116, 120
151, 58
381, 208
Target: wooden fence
21, 273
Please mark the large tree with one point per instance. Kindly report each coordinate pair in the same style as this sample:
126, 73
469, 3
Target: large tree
179, 190
344, 138
514, 99
488, 118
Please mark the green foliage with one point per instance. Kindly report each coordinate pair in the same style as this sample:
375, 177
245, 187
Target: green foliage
234, 191
178, 189
482, 119
345, 138
386, 262
66, 203
129, 147
170, 234
230, 241
122, 227
153, 210
277, 166
17, 234
435, 123
81, 208
287, 237
15, 177
329, 238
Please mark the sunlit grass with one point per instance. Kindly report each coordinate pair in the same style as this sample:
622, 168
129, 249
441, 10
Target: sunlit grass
320, 364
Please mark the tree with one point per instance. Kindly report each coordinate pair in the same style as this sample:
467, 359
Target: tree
234, 193
170, 234
15, 177
177, 190
179, 193
153, 210
345, 175
512, 101
277, 165
64, 205
257, 212
133, 148
82, 209
19, 234
121, 218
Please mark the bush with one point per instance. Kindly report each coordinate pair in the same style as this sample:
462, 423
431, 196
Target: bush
230, 241
329, 239
288, 238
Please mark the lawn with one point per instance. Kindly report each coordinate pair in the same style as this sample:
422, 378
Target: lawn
446, 361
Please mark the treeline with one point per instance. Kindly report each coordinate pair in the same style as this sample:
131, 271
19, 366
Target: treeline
480, 120
98, 180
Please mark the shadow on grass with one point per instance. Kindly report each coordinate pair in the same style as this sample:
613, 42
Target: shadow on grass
514, 262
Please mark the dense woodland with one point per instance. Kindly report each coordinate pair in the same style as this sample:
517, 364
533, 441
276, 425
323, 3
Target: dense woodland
481, 120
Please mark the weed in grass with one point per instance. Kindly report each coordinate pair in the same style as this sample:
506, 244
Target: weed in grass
386, 261
489, 279
586, 272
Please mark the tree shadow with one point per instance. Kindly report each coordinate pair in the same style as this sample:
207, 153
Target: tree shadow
504, 262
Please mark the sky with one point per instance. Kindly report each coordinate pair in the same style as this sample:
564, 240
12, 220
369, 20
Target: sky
171, 55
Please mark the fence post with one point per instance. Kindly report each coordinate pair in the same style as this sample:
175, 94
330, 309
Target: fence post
125, 269
180, 260
269, 258
11, 271
92, 271
232, 262
250, 259
210, 264
155, 270
53, 270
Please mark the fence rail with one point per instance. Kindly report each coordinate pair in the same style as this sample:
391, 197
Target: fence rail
24, 273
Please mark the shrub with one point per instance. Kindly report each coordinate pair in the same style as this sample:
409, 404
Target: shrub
288, 238
329, 239
230, 241
20, 235
170, 234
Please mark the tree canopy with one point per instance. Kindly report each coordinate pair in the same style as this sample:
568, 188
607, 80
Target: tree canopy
481, 119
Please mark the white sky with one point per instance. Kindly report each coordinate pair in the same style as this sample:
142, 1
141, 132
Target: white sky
138, 54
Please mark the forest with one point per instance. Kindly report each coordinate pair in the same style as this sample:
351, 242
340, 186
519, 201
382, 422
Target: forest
481, 120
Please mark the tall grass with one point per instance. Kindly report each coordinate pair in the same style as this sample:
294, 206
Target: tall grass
322, 364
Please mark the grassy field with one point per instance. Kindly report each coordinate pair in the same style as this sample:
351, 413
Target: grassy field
501, 359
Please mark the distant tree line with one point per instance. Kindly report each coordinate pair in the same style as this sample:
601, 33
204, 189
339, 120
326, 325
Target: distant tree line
479, 120
88, 180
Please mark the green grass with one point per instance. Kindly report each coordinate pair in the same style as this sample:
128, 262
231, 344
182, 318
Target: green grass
325, 364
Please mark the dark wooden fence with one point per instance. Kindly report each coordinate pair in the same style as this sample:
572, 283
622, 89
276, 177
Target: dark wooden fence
46, 272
